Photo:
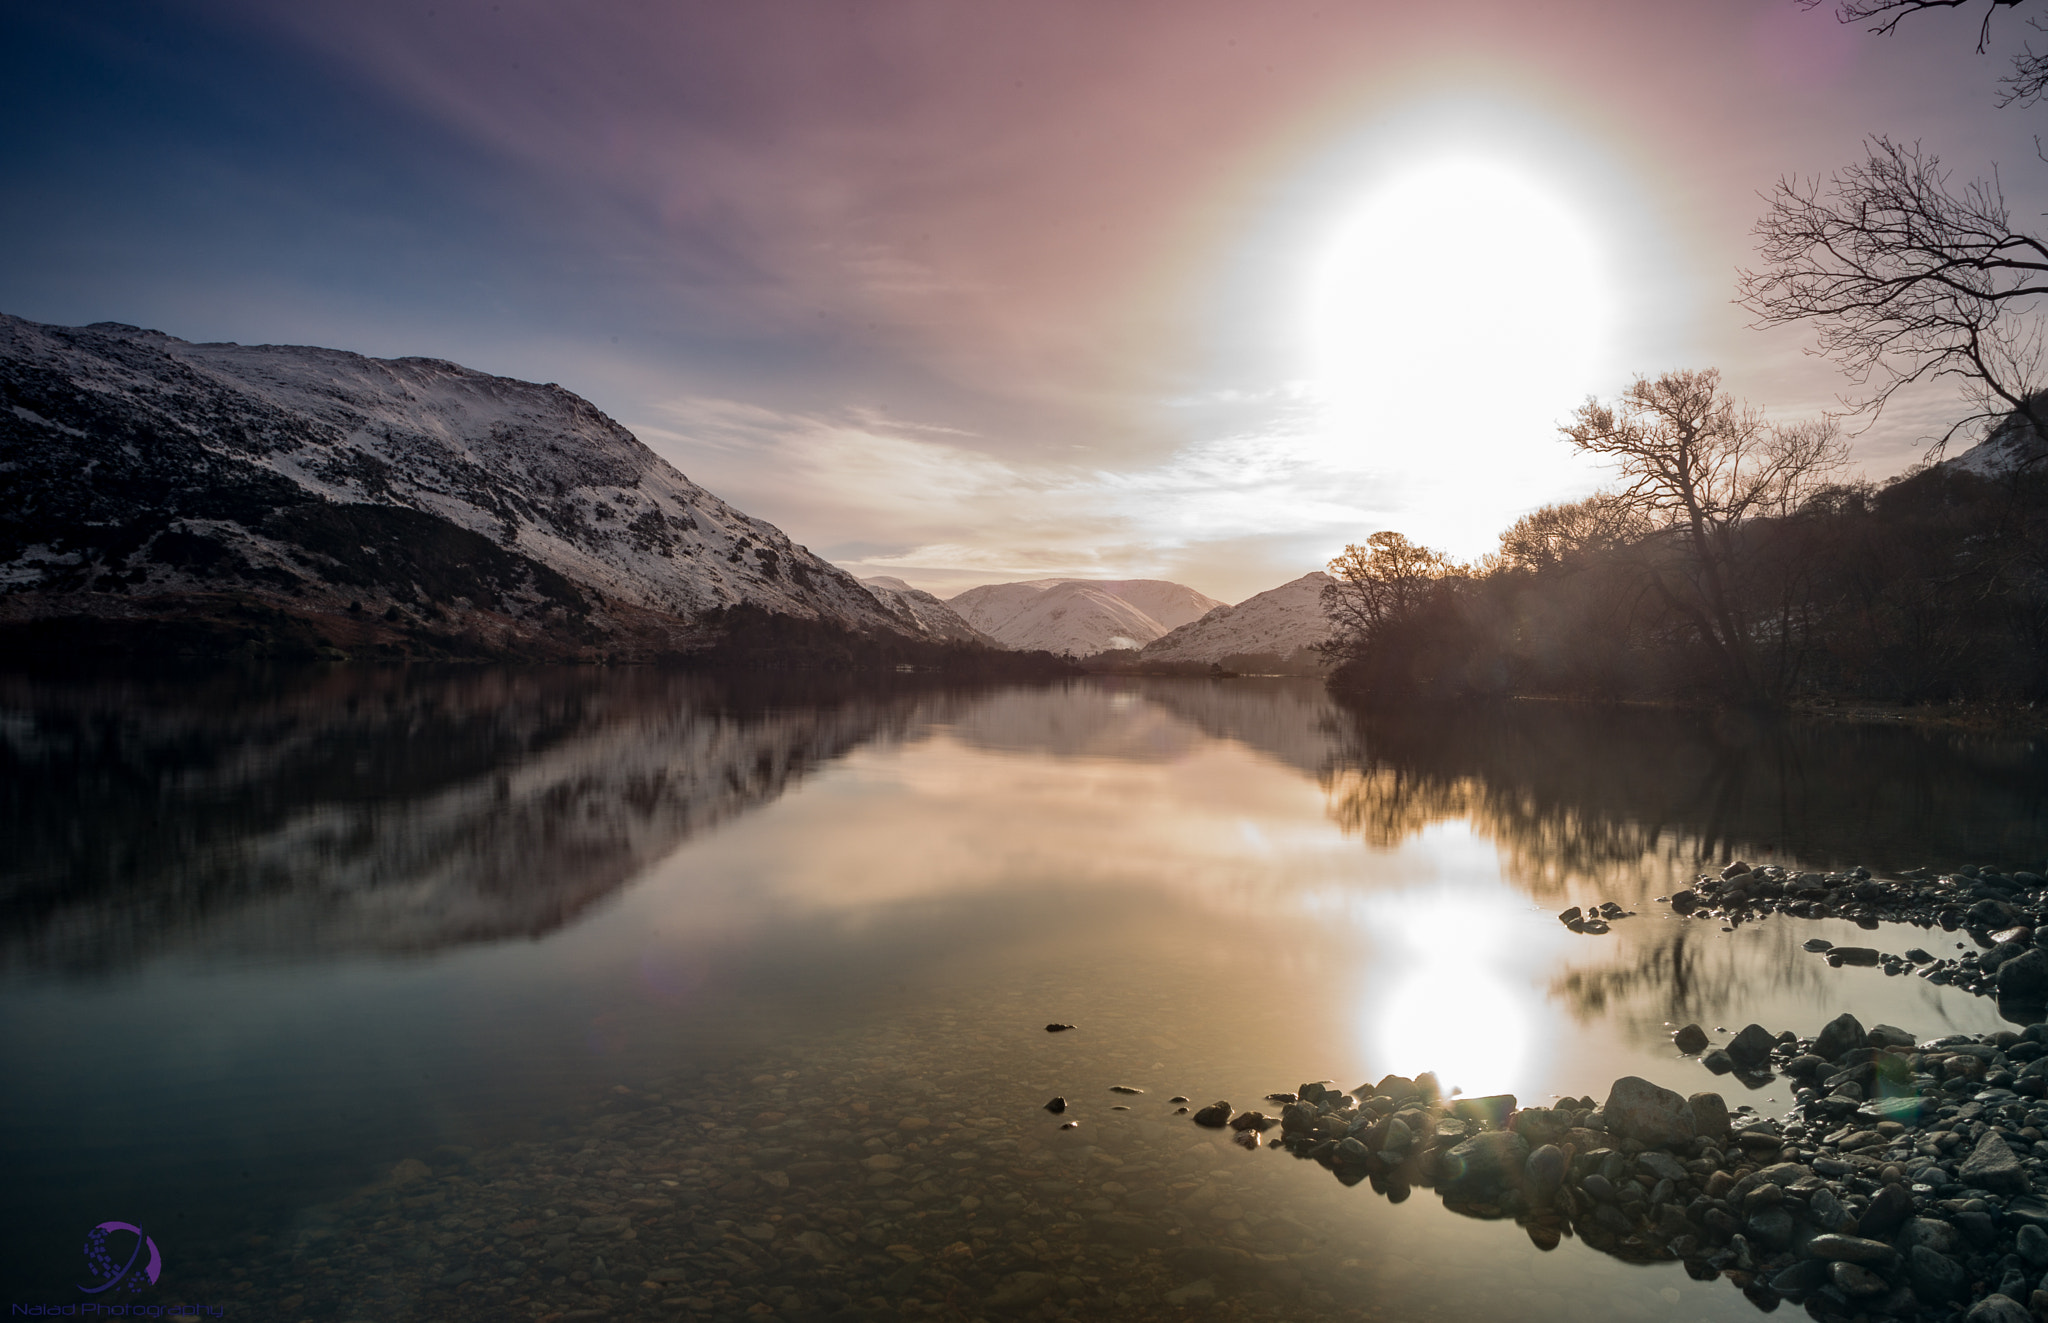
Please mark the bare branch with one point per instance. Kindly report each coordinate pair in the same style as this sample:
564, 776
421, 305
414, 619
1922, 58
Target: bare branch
1905, 279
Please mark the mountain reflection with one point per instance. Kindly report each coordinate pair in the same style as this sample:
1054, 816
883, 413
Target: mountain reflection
364, 810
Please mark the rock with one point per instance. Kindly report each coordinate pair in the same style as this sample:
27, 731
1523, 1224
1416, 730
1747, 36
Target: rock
1709, 1115
1124, 1088
409, 1171
1251, 1121
1857, 1283
1686, 901
1194, 1293
1998, 1309
1818, 944
1718, 1061
1734, 870
1929, 1232
1545, 1169
1483, 1165
2032, 1243
1490, 1109
1935, 1278
1598, 1186
1993, 1166
1020, 1290
1056, 1106
1690, 1040
1662, 1166
1888, 1207
2025, 976
1890, 1035
1838, 1248
1838, 1036
1637, 1109
1217, 1115
1771, 1227
1057, 1028
1854, 955
1752, 1047
1296, 1118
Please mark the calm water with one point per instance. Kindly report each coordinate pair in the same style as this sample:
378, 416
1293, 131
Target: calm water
515, 994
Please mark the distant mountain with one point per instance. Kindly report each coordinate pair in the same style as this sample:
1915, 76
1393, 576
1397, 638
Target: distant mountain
931, 616
2010, 445
383, 506
1080, 616
1277, 628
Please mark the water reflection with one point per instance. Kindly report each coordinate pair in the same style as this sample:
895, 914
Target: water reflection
599, 880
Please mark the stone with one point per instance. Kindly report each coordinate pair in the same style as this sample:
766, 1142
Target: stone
1734, 870
1709, 1115
1639, 1110
1124, 1089
2032, 1243
1545, 1170
1935, 1278
1296, 1118
1888, 1207
1194, 1293
1993, 1166
1890, 1035
1717, 1060
1217, 1115
1837, 1248
1752, 1047
1858, 1283
1056, 1106
1998, 1309
1771, 1227
1020, 1290
1057, 1028
2024, 977
1839, 1035
1930, 1232
1690, 1040
1854, 955
1819, 944
1490, 1109
1483, 1165
1662, 1166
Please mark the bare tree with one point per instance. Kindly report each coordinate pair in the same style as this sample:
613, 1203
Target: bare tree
1380, 583
1908, 279
1701, 468
2029, 76
1562, 537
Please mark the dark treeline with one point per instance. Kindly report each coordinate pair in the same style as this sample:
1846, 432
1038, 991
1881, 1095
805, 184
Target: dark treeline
1710, 578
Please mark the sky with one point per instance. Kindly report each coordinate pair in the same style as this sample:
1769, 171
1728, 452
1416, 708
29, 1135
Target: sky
970, 291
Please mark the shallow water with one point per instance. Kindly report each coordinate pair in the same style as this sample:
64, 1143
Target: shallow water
565, 947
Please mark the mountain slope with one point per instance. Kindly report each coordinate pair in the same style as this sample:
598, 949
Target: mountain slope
1080, 616
152, 476
928, 614
2009, 446
1281, 623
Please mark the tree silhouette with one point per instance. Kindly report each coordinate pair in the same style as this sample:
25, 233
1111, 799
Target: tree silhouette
1701, 467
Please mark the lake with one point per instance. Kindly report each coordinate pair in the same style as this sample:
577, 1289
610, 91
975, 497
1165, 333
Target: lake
521, 994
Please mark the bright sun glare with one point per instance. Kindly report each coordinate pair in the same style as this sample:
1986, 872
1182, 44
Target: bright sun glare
1456, 315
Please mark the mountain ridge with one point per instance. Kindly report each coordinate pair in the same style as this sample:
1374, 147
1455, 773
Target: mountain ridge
316, 500
1080, 617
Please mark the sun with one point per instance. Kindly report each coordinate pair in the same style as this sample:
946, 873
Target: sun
1455, 313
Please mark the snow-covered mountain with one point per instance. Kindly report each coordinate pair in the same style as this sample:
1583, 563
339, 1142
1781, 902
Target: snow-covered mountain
393, 498
931, 616
2008, 446
1280, 623
1080, 616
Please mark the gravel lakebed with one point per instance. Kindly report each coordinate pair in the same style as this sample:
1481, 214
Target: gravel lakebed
913, 1169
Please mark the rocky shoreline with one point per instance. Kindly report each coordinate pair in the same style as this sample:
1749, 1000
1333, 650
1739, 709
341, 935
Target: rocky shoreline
1902, 1184
2006, 914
